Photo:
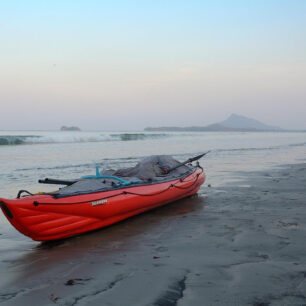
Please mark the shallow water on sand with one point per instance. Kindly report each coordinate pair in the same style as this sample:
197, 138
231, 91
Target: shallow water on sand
69, 155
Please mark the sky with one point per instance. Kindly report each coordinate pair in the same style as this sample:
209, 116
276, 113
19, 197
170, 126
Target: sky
125, 65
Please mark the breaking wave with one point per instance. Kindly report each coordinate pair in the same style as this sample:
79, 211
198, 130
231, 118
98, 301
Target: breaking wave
75, 137
12, 140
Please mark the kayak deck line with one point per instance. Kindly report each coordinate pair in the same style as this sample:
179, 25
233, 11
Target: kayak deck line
36, 203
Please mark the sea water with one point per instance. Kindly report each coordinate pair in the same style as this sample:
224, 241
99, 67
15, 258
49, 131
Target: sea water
26, 157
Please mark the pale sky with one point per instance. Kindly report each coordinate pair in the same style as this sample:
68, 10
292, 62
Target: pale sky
116, 65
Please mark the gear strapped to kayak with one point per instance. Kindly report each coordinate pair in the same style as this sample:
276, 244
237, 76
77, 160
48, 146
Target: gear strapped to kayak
102, 199
147, 171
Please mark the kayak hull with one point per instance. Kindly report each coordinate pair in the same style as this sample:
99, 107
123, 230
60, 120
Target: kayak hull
43, 217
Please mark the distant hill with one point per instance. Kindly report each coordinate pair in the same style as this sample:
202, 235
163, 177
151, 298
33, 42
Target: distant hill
240, 122
234, 123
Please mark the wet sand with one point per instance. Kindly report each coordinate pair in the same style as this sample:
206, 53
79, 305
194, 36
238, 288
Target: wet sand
239, 244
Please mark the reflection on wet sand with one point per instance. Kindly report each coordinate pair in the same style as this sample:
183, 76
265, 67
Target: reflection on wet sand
123, 237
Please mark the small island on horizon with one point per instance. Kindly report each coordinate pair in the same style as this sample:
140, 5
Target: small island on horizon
69, 128
234, 123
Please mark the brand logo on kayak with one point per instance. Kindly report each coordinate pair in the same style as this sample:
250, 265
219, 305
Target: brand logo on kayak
100, 202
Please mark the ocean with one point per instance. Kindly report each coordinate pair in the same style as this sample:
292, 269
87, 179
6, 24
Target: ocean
26, 156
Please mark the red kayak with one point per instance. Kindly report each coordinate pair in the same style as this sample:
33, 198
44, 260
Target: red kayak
72, 210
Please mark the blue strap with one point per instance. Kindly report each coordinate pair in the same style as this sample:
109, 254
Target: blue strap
122, 182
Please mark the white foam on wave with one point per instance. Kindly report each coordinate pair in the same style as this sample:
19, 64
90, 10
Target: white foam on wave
69, 138
88, 137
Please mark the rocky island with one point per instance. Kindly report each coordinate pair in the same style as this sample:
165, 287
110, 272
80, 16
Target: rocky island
70, 128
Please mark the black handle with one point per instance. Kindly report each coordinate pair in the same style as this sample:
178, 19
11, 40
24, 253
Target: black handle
56, 182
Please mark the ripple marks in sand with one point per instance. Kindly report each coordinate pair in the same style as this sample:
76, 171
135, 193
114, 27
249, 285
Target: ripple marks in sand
174, 293
109, 286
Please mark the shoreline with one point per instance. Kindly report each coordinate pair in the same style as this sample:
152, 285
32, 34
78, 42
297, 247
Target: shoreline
237, 244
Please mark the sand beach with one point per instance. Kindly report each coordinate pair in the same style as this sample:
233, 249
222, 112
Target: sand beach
239, 244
